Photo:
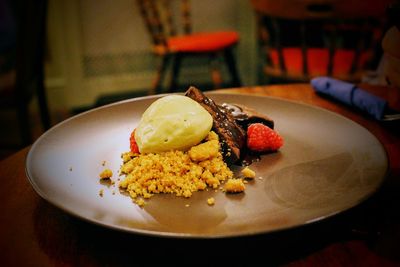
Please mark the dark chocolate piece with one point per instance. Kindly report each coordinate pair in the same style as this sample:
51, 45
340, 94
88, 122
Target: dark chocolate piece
232, 135
245, 116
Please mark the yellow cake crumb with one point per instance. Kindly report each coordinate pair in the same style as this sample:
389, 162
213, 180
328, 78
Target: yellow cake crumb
234, 186
101, 192
204, 151
212, 136
140, 202
248, 173
175, 172
106, 174
127, 156
211, 201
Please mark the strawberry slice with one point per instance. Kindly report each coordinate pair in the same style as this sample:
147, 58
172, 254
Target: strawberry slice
133, 144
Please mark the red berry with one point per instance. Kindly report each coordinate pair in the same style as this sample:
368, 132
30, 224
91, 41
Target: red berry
261, 138
134, 146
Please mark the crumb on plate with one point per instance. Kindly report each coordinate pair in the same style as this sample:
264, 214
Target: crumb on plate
140, 202
234, 186
248, 173
106, 174
210, 201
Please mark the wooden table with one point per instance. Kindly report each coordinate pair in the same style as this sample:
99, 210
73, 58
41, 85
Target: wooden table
34, 233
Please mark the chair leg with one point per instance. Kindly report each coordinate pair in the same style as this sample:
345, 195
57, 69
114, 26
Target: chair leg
161, 70
24, 123
231, 64
216, 75
43, 106
175, 73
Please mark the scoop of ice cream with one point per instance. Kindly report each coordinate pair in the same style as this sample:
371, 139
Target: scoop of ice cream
173, 122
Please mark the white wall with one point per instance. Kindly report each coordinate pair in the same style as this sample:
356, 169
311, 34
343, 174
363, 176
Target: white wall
97, 47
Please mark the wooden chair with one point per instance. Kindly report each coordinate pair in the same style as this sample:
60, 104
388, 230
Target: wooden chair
302, 39
23, 78
173, 43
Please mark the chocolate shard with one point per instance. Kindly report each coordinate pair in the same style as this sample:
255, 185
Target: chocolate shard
232, 135
245, 116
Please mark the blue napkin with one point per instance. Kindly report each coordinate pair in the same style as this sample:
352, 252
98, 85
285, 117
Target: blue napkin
351, 95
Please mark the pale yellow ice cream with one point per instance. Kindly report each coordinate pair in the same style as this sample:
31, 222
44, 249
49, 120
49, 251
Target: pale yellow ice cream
173, 122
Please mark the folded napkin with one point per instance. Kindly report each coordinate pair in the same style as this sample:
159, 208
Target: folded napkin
351, 95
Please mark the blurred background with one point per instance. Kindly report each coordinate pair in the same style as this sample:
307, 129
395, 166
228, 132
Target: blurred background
103, 47
98, 52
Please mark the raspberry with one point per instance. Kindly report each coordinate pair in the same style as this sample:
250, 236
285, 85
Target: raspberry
134, 146
261, 138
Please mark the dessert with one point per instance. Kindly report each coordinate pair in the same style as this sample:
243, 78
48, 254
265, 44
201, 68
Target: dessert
186, 143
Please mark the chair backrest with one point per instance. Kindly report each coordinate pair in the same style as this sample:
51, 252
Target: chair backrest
27, 64
307, 38
31, 18
162, 21
24, 58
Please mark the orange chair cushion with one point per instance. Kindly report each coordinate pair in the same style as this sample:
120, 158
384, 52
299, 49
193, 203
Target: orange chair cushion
318, 59
203, 42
